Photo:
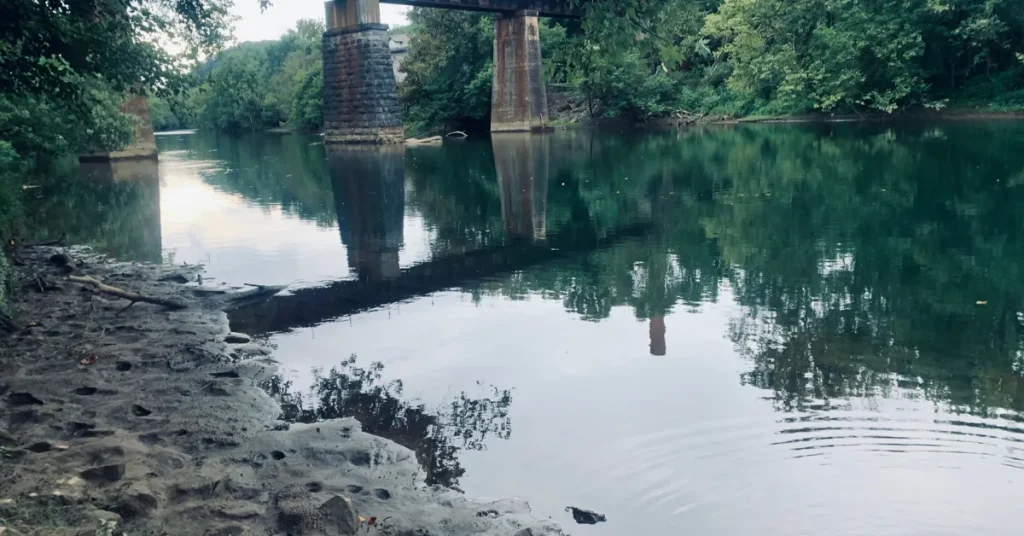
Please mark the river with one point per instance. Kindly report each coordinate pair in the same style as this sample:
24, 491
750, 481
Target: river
763, 329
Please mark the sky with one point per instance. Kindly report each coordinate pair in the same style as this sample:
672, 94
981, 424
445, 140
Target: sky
281, 17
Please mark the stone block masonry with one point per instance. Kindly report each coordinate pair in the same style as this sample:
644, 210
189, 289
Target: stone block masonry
360, 94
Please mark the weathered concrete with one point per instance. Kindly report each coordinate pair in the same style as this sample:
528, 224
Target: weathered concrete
144, 146
522, 162
518, 100
360, 94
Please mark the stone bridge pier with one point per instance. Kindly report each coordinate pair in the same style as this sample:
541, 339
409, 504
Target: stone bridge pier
360, 94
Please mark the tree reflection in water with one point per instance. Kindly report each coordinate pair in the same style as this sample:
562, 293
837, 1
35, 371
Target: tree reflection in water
436, 436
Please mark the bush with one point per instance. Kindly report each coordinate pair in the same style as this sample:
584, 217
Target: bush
10, 211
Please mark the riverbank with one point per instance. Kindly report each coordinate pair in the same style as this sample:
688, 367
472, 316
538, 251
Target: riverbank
687, 119
150, 420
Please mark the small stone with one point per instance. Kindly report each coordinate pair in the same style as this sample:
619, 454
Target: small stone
339, 514
174, 278
60, 259
100, 516
140, 411
105, 474
237, 338
586, 517
73, 481
40, 447
136, 503
524, 532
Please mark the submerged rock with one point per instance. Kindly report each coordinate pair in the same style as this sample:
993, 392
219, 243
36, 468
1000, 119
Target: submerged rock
585, 517
237, 338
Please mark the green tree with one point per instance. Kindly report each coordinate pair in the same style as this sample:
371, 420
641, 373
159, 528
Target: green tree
448, 80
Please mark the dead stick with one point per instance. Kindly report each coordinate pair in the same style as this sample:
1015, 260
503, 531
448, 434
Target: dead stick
124, 294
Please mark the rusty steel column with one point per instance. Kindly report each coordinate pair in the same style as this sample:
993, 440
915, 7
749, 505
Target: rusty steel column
144, 144
360, 94
518, 100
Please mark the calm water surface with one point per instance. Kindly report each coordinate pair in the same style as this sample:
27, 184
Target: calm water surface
769, 330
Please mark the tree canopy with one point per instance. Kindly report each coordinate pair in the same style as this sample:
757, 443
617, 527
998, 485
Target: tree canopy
643, 58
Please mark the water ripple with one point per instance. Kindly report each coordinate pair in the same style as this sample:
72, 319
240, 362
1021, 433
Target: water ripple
818, 465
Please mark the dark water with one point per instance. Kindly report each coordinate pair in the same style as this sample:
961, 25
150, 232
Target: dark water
754, 330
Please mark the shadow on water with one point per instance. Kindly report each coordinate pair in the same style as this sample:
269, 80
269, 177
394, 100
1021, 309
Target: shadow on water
437, 437
473, 241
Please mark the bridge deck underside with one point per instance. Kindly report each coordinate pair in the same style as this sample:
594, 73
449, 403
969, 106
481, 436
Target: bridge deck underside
544, 8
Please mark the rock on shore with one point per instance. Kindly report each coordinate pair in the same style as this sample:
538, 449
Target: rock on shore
146, 420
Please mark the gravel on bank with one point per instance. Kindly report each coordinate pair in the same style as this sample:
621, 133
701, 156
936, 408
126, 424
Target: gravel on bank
146, 421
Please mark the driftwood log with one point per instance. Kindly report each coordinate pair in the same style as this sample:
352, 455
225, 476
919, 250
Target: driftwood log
124, 294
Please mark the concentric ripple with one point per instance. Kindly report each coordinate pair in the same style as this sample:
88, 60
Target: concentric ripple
856, 471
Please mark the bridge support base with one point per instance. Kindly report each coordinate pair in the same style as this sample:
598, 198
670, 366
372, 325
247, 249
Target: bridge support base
360, 94
144, 146
518, 100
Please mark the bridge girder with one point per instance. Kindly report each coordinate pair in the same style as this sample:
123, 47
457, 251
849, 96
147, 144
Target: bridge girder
544, 8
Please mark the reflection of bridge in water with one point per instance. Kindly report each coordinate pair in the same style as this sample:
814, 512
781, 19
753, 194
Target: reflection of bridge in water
369, 195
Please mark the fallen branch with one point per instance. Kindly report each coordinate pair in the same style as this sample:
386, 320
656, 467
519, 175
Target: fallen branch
457, 134
124, 294
433, 140
257, 294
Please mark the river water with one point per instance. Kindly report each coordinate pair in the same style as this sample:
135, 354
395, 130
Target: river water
772, 330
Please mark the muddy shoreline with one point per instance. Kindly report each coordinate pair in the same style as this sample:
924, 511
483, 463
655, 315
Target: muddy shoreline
147, 421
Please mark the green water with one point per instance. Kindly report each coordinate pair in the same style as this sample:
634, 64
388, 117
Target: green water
737, 330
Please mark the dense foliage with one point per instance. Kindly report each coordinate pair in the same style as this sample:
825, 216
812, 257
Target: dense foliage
644, 58
66, 67
448, 81
253, 86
